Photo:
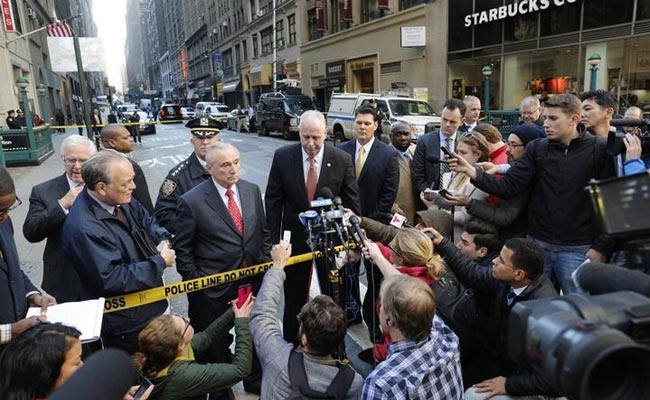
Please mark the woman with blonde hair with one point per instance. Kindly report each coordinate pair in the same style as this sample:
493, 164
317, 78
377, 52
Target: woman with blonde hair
168, 345
474, 148
411, 253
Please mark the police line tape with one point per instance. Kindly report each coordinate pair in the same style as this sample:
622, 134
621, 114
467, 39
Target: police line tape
171, 121
153, 295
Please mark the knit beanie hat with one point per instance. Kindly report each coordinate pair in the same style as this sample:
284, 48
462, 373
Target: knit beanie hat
528, 132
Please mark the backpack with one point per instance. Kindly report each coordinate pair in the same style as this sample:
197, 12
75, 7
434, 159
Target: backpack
300, 387
455, 305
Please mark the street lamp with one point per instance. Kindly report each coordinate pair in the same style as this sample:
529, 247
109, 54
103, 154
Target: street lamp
42, 90
486, 71
593, 60
22, 84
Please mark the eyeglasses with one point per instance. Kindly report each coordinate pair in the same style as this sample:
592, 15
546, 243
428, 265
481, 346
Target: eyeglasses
499, 260
187, 323
73, 161
13, 207
514, 145
392, 248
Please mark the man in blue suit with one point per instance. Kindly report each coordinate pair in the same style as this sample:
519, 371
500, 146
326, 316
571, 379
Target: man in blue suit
17, 292
376, 167
377, 172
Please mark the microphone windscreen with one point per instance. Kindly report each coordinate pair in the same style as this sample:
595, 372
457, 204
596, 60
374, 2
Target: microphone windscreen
325, 193
600, 278
106, 375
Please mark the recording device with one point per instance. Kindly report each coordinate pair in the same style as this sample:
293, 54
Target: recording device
354, 221
615, 143
586, 347
446, 151
107, 374
243, 291
436, 160
142, 389
599, 278
622, 208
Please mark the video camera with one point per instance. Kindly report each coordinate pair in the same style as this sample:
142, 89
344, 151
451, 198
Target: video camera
586, 347
615, 144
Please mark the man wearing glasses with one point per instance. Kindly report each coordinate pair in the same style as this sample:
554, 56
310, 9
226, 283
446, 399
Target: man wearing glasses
116, 246
49, 205
17, 292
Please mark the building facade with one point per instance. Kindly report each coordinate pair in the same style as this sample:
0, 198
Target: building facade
542, 48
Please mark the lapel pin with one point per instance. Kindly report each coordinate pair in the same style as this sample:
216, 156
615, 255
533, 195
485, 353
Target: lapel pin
329, 165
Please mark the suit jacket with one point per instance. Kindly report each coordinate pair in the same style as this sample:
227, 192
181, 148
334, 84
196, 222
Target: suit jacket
14, 284
406, 196
207, 240
45, 220
286, 193
425, 173
378, 180
105, 254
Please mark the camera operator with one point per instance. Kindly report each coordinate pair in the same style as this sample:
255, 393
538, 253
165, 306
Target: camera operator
517, 274
634, 164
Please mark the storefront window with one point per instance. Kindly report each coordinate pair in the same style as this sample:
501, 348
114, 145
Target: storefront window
642, 9
521, 27
558, 20
460, 37
628, 71
600, 13
466, 78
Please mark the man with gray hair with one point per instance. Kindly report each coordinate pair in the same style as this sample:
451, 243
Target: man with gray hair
531, 111
220, 227
116, 246
49, 205
472, 114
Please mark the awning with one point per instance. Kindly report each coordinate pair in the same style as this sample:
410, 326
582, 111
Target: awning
261, 74
230, 86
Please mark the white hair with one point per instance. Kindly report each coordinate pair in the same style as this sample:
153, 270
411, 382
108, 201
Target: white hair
77, 141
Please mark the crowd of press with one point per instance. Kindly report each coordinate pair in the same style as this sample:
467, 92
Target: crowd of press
483, 225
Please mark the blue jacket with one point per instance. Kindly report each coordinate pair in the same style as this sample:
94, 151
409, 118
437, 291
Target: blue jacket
14, 284
109, 263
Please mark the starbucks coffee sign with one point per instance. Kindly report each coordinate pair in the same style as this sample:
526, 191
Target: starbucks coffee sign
523, 7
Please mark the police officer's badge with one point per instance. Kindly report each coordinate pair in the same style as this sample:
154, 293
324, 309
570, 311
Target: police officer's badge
168, 187
204, 122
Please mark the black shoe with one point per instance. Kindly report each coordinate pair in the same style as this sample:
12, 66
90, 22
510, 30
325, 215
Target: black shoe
367, 356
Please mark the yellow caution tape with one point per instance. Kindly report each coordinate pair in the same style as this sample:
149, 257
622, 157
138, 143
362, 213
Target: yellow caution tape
153, 295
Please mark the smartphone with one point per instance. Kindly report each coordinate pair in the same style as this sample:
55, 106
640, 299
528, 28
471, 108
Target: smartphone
143, 388
242, 294
447, 152
429, 195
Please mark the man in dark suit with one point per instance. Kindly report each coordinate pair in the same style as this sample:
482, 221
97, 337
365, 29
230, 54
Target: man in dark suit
221, 226
376, 167
377, 172
427, 174
49, 204
472, 114
298, 173
117, 138
17, 292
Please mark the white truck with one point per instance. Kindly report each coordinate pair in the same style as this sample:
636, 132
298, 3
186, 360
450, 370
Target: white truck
416, 113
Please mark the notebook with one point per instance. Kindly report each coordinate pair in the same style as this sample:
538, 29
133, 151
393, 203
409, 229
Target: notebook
86, 316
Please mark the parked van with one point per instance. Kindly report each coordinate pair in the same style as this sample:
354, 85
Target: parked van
211, 109
281, 112
416, 113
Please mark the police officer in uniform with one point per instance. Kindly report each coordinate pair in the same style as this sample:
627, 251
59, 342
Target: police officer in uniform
187, 174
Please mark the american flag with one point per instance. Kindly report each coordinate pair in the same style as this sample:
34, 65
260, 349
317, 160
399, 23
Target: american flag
60, 28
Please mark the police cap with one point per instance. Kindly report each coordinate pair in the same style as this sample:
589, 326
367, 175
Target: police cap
204, 127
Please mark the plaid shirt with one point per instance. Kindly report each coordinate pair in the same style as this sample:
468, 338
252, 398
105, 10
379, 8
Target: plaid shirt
5, 333
427, 370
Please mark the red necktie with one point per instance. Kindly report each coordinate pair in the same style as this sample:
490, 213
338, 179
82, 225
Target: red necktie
312, 179
119, 214
234, 211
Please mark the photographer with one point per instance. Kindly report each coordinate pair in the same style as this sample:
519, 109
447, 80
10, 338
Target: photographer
633, 163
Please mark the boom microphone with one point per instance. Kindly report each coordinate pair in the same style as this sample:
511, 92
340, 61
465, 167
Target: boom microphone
325, 193
106, 375
600, 278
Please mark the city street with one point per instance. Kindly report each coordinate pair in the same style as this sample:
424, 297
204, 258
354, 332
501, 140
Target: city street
157, 155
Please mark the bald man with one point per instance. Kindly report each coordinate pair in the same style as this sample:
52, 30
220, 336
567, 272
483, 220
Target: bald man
117, 138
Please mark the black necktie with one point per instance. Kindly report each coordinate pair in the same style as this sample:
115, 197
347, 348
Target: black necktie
511, 296
119, 214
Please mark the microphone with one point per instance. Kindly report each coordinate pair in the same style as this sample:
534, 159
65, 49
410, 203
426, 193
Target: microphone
308, 218
354, 220
629, 122
325, 193
339, 205
436, 160
107, 374
600, 278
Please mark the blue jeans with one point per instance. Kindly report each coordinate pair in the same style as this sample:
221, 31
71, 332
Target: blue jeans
560, 261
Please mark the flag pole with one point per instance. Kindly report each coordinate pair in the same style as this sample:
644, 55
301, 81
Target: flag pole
85, 106
38, 30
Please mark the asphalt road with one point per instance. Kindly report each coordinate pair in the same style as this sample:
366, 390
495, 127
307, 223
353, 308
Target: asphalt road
157, 155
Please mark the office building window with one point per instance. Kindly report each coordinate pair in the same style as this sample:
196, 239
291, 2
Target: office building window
291, 22
256, 50
279, 34
267, 40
